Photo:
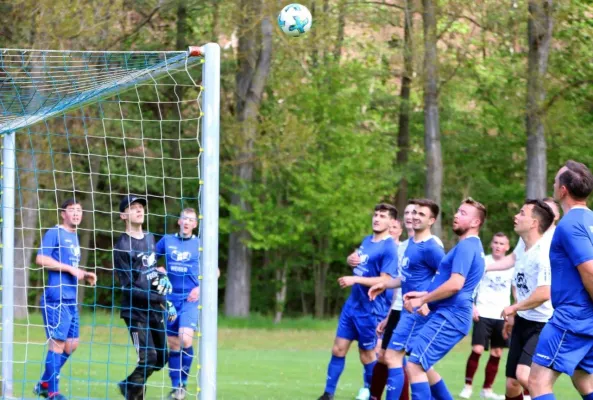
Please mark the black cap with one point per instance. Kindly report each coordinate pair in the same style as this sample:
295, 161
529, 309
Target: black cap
127, 200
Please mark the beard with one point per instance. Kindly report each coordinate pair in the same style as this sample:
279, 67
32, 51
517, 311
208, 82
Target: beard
459, 231
378, 232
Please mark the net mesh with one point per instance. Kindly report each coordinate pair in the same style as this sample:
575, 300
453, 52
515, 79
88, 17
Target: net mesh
95, 126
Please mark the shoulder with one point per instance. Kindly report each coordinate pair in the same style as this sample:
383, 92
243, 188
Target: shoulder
438, 241
123, 242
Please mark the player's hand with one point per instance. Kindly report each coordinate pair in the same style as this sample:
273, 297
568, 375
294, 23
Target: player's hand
424, 310
346, 281
476, 314
353, 259
381, 327
77, 272
509, 311
413, 300
507, 329
171, 311
194, 295
91, 278
376, 290
162, 285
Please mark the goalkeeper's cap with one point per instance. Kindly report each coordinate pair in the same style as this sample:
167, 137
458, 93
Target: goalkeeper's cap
127, 200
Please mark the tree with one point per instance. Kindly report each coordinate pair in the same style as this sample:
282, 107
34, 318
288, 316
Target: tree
539, 33
254, 60
432, 135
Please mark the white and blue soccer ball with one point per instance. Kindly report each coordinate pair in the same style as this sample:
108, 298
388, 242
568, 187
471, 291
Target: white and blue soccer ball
295, 20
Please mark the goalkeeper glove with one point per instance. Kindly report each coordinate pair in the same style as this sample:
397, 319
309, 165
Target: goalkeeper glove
171, 311
162, 285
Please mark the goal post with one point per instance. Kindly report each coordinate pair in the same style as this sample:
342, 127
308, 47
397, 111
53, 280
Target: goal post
97, 126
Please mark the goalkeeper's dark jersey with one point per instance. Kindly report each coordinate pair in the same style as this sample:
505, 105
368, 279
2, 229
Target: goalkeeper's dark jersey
135, 263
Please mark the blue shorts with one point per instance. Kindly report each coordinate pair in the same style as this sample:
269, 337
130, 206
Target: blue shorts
564, 351
358, 326
436, 338
408, 326
187, 317
61, 321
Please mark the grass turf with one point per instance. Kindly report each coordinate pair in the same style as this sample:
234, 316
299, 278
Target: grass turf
256, 360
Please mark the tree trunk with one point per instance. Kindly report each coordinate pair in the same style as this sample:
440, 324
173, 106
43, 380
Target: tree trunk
539, 32
25, 233
320, 274
432, 135
281, 281
403, 133
255, 52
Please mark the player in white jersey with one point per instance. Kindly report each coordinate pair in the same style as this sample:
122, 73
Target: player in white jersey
532, 280
493, 295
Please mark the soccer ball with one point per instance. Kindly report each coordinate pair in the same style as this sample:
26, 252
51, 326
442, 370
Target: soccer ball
295, 20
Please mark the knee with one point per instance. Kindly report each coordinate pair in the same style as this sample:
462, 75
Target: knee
367, 356
513, 386
478, 349
524, 378
414, 370
392, 359
497, 352
381, 356
187, 342
339, 350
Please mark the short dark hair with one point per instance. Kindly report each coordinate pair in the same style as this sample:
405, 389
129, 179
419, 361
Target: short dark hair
542, 212
434, 207
68, 202
387, 207
482, 212
577, 179
500, 234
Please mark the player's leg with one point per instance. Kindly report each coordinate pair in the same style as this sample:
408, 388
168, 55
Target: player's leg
479, 343
133, 386
497, 343
513, 389
380, 370
436, 338
188, 324
367, 341
57, 320
559, 351
345, 334
174, 342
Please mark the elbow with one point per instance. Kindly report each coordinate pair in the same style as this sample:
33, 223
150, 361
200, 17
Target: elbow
39, 261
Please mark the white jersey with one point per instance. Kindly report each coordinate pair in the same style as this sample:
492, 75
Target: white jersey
532, 269
494, 291
397, 303
547, 236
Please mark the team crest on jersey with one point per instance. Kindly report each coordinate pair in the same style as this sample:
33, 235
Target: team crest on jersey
148, 260
521, 283
364, 258
180, 256
405, 263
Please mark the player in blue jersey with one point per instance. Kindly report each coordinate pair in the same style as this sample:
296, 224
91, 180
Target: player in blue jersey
450, 300
182, 257
566, 343
418, 267
360, 316
59, 254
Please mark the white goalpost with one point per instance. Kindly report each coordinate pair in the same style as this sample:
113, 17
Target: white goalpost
96, 126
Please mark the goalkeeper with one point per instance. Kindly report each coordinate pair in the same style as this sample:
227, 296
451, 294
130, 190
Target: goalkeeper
144, 307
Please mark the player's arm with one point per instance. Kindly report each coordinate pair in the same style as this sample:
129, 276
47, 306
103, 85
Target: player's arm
346, 281
446, 290
506, 262
379, 288
514, 294
586, 271
54, 265
540, 295
353, 259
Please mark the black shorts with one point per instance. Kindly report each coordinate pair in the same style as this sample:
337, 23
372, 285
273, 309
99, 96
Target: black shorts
487, 332
523, 342
392, 320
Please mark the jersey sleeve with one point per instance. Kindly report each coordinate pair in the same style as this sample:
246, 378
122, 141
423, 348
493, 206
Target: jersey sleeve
577, 243
389, 262
160, 247
463, 258
544, 273
435, 255
49, 243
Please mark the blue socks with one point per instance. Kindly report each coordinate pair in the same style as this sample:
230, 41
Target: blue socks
334, 370
53, 363
420, 391
439, 391
395, 383
550, 396
187, 357
175, 368
368, 373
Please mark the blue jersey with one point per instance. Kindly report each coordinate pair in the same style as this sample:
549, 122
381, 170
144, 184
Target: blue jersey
375, 258
572, 245
62, 246
182, 258
466, 259
419, 264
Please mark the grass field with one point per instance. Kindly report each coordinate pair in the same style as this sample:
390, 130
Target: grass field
256, 360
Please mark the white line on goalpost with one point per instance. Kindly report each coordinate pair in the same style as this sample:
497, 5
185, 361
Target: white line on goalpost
209, 203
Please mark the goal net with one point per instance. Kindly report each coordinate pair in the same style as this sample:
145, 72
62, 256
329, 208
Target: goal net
98, 126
